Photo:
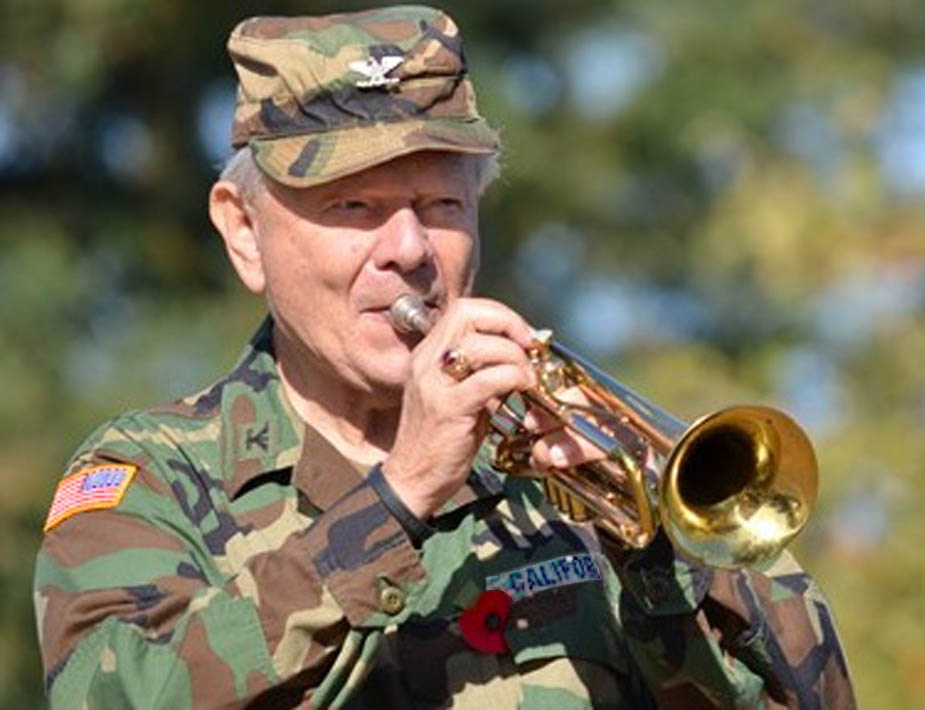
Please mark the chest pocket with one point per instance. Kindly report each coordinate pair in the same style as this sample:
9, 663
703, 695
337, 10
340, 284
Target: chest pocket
564, 653
566, 648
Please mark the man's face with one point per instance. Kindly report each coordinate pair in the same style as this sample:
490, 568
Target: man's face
335, 257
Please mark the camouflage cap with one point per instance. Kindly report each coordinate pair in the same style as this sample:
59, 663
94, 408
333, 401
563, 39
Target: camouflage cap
324, 97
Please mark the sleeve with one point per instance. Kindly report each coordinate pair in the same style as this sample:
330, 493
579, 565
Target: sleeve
135, 605
705, 637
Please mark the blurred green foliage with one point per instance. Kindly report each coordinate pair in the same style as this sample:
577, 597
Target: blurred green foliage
721, 200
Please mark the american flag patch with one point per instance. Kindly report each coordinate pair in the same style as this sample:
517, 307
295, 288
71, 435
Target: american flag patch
90, 489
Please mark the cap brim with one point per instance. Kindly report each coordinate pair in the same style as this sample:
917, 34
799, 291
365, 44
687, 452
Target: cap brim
316, 158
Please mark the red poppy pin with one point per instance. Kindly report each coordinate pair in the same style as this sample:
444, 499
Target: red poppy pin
482, 624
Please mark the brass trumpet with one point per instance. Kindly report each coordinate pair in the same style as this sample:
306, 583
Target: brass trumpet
730, 490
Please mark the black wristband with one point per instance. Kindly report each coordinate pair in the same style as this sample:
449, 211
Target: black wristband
416, 528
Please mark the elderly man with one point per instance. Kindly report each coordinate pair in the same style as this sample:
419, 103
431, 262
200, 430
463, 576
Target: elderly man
322, 527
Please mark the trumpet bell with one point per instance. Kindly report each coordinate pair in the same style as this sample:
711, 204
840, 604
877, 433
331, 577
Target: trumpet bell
738, 486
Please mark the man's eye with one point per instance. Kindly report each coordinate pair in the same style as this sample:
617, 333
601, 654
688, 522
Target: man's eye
350, 206
447, 204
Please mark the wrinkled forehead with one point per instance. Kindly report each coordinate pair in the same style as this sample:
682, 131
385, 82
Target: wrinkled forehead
416, 174
422, 170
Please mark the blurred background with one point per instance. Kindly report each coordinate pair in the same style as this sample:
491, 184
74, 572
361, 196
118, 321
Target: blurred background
720, 201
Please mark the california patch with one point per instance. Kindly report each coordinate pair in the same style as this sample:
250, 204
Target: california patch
548, 574
91, 489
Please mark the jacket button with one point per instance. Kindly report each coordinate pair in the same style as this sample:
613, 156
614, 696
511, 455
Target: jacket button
391, 600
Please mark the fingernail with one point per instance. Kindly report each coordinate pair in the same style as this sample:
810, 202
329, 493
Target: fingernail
557, 456
542, 335
530, 421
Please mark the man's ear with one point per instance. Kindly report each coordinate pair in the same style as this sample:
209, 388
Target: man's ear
233, 218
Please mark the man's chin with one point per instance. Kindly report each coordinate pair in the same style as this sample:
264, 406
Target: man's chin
388, 375
386, 363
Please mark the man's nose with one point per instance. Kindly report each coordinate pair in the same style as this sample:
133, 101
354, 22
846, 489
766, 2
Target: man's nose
403, 243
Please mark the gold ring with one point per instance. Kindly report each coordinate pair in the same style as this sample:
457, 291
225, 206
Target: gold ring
454, 363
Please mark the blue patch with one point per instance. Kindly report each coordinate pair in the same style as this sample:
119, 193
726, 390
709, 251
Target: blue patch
104, 478
549, 574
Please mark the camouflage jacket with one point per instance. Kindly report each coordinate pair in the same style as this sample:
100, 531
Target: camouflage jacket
247, 564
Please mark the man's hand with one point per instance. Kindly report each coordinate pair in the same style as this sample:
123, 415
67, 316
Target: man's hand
557, 446
444, 419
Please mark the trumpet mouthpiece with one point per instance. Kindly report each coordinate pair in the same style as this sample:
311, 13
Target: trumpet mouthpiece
409, 315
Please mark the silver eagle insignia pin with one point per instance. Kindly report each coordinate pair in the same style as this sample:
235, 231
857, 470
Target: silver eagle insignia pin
375, 71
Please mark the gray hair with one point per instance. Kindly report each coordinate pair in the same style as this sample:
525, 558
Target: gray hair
487, 170
241, 170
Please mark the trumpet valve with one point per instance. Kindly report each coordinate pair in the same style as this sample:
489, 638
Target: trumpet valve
566, 503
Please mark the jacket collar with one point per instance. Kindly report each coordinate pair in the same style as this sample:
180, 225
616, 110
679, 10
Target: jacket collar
259, 429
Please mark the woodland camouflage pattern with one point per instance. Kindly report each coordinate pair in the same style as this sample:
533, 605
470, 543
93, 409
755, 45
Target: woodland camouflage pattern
249, 565
303, 107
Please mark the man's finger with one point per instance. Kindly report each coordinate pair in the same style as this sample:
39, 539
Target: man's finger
562, 448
